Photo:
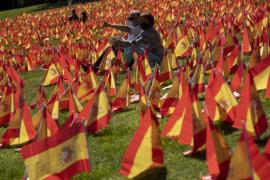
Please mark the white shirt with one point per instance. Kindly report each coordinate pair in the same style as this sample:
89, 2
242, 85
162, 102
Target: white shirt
135, 31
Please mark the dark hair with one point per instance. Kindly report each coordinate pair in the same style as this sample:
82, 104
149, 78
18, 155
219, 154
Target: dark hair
149, 17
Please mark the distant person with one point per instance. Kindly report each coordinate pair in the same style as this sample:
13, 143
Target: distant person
74, 16
83, 17
149, 38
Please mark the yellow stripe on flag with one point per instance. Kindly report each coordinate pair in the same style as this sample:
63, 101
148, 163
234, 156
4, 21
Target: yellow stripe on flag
39, 166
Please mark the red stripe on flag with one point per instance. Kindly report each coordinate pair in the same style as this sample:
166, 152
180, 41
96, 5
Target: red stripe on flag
45, 144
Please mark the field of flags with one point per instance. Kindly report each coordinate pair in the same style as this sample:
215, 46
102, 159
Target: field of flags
215, 75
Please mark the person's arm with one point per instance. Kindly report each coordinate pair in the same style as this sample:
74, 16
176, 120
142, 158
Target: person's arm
120, 27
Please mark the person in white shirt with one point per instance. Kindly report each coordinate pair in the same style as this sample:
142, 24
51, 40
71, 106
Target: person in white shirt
132, 28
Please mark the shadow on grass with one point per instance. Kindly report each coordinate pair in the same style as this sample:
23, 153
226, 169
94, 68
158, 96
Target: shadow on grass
200, 155
226, 128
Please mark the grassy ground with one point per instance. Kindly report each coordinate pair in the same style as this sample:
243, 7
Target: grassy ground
106, 149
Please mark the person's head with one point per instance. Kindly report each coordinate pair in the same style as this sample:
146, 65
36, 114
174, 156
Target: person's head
73, 11
146, 21
132, 19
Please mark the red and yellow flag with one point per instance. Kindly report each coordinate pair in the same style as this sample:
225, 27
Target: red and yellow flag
122, 99
52, 75
6, 105
44, 124
39, 99
267, 91
183, 48
247, 162
96, 114
21, 128
250, 109
165, 69
145, 149
170, 99
261, 72
60, 156
217, 152
219, 100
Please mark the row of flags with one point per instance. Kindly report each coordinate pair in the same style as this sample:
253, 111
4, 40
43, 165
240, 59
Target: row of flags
217, 62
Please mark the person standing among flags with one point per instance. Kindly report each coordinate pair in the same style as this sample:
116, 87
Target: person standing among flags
149, 39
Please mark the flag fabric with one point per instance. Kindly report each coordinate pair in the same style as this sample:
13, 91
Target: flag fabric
217, 151
267, 92
220, 100
58, 157
179, 125
261, 72
145, 149
170, 99
250, 109
52, 75
96, 114
75, 105
247, 162
183, 48
165, 69
6, 105
39, 99
122, 99
88, 85
246, 47
154, 93
44, 124
20, 129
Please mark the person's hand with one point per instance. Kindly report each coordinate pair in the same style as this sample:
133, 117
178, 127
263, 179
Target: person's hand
106, 24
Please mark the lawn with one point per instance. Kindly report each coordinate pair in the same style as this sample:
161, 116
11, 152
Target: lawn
106, 148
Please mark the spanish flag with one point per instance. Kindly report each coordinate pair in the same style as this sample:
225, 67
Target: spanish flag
217, 152
238, 77
198, 77
58, 157
165, 69
261, 72
52, 75
88, 85
247, 162
96, 114
44, 124
267, 92
145, 149
107, 61
109, 83
144, 68
154, 93
122, 99
183, 48
186, 125
75, 105
6, 105
39, 99
179, 125
220, 100
21, 128
250, 109
246, 47
170, 99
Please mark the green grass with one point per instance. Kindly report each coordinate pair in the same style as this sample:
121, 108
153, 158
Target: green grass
106, 149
